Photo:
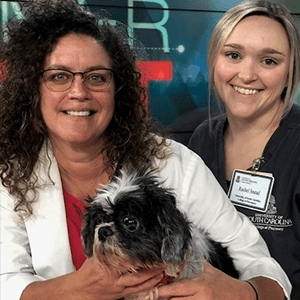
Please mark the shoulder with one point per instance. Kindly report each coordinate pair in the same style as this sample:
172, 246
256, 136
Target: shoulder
186, 173
179, 154
208, 136
292, 119
209, 129
213, 124
180, 161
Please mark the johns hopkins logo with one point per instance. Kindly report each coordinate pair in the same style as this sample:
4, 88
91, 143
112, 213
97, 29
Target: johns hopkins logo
271, 220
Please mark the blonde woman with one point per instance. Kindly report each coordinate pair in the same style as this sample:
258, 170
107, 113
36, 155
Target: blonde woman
254, 61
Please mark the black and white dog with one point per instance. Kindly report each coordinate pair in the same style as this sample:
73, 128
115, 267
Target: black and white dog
133, 223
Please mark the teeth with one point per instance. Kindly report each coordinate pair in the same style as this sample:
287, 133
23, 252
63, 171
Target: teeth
245, 91
79, 113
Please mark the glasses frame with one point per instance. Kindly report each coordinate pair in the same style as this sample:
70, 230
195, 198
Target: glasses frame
113, 72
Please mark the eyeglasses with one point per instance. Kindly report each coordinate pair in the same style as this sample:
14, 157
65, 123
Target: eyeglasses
96, 80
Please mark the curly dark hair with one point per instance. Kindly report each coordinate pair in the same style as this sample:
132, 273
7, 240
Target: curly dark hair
128, 140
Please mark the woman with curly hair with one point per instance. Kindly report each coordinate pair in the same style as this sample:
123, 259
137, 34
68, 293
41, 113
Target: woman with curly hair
72, 116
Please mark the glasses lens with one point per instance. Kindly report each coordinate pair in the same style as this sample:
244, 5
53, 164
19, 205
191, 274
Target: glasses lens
61, 80
98, 80
58, 80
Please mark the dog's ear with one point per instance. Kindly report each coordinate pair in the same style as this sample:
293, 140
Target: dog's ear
176, 231
95, 215
87, 233
173, 248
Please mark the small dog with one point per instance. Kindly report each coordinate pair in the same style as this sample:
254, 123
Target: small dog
133, 224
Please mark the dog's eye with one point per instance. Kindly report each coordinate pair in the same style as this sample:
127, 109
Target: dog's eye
131, 223
99, 220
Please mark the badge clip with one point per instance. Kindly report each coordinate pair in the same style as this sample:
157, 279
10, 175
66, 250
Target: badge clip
256, 163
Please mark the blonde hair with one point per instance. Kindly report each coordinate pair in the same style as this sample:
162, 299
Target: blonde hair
273, 11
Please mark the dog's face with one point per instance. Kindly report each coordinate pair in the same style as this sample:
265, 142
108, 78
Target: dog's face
133, 223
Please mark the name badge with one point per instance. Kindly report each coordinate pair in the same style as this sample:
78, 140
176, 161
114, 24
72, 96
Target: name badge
251, 190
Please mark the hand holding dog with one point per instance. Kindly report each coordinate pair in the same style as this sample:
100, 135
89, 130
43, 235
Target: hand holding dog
93, 282
212, 284
112, 285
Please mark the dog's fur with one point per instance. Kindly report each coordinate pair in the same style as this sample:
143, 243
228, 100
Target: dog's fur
133, 223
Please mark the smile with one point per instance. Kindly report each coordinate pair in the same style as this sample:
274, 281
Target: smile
79, 113
245, 91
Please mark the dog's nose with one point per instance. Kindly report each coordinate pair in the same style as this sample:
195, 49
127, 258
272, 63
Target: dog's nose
104, 232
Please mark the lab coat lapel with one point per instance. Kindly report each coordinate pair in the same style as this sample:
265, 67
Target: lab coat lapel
47, 229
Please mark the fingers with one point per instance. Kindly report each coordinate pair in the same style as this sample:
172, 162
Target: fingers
141, 281
210, 284
186, 288
144, 286
176, 289
189, 288
135, 279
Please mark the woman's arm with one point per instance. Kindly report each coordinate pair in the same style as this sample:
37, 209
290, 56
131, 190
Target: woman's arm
267, 289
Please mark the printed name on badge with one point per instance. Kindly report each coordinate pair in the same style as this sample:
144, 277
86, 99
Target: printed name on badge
251, 190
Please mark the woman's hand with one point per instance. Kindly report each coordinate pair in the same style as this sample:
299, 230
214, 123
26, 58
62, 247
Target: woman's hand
213, 284
112, 285
93, 282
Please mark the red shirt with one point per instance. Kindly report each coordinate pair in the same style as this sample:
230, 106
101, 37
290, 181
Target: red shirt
74, 212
